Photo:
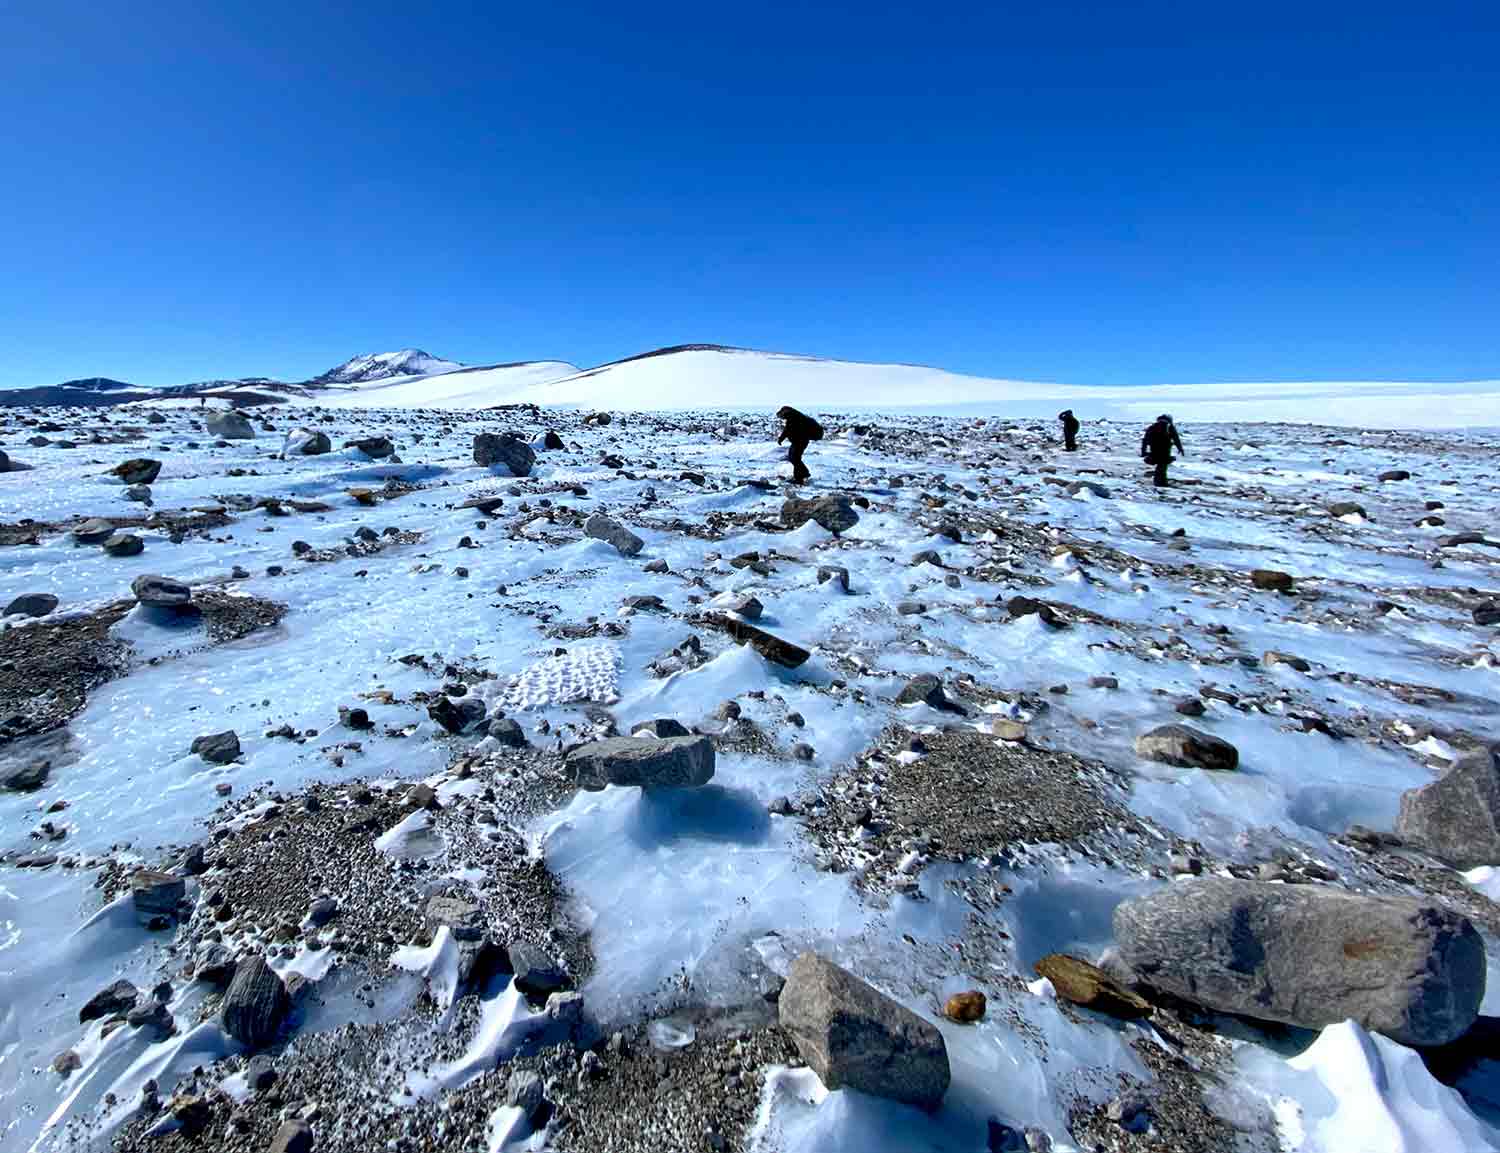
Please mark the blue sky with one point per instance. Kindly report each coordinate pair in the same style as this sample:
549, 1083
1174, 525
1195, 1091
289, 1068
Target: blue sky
1103, 192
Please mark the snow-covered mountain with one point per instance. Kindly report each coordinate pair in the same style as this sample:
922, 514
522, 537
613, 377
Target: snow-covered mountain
374, 366
702, 376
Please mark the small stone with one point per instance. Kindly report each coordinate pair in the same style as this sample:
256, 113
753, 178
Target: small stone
1271, 580
966, 1007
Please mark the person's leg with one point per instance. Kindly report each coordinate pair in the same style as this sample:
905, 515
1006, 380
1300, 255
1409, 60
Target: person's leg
1160, 477
1070, 445
794, 454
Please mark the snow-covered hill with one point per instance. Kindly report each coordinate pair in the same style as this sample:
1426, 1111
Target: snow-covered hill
732, 378
373, 366
462, 388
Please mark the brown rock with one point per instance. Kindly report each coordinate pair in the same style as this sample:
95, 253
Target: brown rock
1090, 986
966, 1007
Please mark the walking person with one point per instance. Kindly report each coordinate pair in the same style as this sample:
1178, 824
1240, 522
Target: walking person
800, 429
1070, 428
1156, 447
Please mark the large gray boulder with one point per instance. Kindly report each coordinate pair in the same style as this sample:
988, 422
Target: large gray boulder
835, 513
852, 1035
256, 1003
1456, 818
1187, 747
649, 762
1309, 956
604, 528
507, 450
229, 425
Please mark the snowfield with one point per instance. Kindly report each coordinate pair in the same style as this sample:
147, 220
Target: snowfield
628, 946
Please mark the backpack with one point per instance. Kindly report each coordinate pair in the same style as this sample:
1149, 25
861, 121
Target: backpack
814, 429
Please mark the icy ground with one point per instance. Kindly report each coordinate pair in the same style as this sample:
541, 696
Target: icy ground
675, 891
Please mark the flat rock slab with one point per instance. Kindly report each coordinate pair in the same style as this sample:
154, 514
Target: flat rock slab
852, 1035
646, 762
1309, 956
773, 648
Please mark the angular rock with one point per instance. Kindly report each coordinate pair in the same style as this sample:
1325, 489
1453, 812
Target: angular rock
139, 470
27, 777
140, 493
1089, 486
306, 442
1463, 538
1394, 474
661, 727
927, 689
1026, 606
509, 733
507, 450
1347, 508
607, 529
1090, 986
1005, 729
374, 447
108, 1001
836, 573
773, 648
294, 1136
256, 1004
154, 894
160, 591
646, 762
217, 748
124, 544
552, 442
457, 716
537, 974
1271, 580
834, 512
1187, 747
1290, 660
31, 605
1456, 818
524, 1091
229, 425
462, 918
1487, 613
1308, 955
853, 1035
748, 607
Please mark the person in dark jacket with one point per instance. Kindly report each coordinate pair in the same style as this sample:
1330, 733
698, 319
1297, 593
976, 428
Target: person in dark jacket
800, 429
1157, 444
1070, 430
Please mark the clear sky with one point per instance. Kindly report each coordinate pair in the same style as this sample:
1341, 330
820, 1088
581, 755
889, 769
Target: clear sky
1111, 192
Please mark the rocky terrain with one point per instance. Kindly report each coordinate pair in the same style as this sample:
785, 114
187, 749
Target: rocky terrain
531, 778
